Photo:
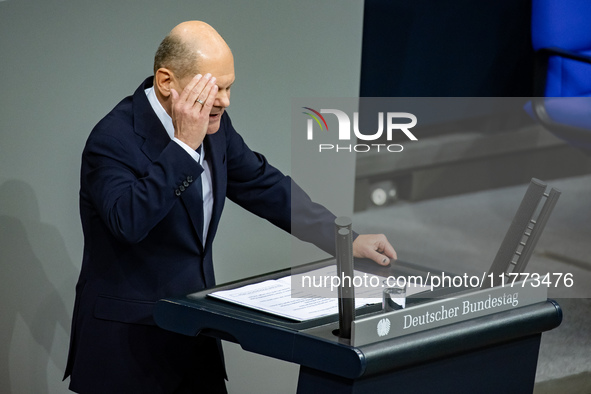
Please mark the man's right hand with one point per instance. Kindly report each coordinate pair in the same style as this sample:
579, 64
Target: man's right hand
190, 109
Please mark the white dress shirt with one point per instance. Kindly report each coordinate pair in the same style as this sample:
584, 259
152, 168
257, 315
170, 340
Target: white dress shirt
206, 181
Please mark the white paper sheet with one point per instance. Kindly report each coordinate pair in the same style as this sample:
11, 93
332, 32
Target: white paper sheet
275, 297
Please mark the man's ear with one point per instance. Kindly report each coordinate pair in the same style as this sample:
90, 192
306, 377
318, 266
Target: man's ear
163, 81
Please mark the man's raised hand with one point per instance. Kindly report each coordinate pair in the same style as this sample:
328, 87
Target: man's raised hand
190, 109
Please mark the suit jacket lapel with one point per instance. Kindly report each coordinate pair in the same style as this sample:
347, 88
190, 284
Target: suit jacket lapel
147, 125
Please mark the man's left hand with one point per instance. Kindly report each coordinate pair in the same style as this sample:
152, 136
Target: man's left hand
375, 247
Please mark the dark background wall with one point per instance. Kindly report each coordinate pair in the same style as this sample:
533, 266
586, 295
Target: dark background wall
446, 48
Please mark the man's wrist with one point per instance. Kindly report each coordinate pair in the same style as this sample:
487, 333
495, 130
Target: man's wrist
188, 149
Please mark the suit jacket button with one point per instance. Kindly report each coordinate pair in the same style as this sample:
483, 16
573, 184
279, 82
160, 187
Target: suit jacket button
189, 179
177, 192
185, 183
182, 188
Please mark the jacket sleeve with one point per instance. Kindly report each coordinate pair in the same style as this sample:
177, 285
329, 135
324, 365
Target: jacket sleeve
262, 189
131, 193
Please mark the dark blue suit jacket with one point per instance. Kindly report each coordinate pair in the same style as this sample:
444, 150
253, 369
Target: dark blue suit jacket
140, 213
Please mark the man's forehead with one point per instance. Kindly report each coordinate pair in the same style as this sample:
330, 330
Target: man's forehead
218, 66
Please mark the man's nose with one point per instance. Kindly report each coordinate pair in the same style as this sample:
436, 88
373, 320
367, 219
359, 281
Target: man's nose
222, 99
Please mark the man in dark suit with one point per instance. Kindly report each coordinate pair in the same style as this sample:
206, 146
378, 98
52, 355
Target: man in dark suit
155, 173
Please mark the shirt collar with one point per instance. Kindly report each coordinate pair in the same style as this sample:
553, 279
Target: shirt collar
165, 119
